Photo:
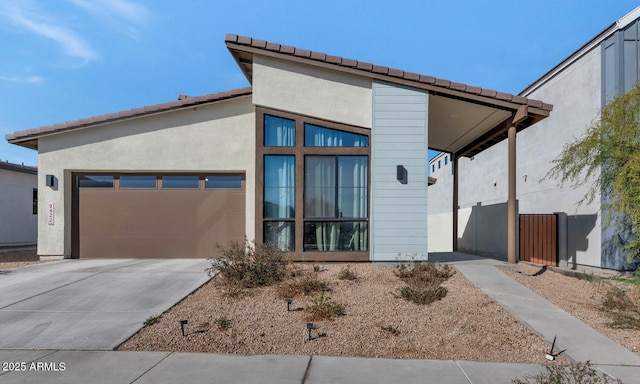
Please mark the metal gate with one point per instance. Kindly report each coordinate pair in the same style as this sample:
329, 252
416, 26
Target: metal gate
539, 239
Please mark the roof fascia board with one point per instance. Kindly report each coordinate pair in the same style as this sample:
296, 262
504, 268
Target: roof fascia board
18, 168
464, 96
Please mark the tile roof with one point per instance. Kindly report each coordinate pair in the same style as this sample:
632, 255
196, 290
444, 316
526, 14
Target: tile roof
18, 167
389, 74
24, 137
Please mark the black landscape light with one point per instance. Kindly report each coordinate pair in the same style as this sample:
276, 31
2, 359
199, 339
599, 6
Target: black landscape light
182, 324
552, 356
289, 301
309, 328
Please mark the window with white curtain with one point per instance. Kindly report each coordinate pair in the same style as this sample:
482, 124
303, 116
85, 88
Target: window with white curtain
316, 136
279, 200
335, 203
279, 132
313, 196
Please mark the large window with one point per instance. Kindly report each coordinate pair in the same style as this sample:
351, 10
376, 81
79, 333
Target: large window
279, 200
336, 203
315, 136
314, 192
279, 132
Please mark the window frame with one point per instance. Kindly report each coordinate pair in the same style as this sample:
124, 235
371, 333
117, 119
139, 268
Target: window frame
300, 151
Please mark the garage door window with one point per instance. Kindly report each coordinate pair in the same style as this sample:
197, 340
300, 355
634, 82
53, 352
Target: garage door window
180, 182
137, 181
223, 182
95, 181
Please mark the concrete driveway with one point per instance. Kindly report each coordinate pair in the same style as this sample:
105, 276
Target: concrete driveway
90, 304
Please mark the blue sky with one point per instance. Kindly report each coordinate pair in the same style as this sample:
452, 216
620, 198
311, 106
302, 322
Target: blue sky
68, 59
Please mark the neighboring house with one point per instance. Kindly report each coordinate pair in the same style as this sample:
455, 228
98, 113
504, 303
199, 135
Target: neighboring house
324, 156
606, 66
18, 205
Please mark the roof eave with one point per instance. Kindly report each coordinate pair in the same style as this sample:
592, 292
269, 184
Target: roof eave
29, 138
432, 85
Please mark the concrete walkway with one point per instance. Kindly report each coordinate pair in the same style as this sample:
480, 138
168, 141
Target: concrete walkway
165, 367
582, 343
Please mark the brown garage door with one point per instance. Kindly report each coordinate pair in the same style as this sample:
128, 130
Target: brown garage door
156, 216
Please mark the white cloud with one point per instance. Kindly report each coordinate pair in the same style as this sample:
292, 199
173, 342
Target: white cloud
122, 15
23, 79
27, 15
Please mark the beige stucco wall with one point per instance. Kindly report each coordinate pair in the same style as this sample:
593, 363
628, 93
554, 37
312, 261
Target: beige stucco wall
217, 137
18, 224
312, 91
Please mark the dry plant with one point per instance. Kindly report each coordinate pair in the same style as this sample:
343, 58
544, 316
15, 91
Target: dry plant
567, 374
323, 308
347, 273
623, 311
248, 265
423, 281
304, 285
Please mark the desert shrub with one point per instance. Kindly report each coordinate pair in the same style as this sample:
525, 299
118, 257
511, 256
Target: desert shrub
303, 285
574, 373
422, 295
223, 323
622, 310
347, 273
391, 329
323, 307
151, 320
423, 281
423, 273
249, 265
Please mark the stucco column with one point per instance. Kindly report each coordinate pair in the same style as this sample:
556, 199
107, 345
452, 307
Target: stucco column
511, 203
454, 207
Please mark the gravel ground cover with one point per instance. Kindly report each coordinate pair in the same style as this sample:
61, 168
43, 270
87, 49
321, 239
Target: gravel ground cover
16, 259
464, 325
581, 298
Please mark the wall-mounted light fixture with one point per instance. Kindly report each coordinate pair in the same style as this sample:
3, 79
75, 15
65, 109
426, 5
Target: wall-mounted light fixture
401, 174
50, 181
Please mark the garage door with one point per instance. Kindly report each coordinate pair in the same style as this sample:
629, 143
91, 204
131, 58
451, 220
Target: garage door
156, 216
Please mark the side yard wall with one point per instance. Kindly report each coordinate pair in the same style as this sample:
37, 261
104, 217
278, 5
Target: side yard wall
18, 224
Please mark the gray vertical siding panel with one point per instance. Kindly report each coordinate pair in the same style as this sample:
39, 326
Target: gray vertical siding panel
399, 136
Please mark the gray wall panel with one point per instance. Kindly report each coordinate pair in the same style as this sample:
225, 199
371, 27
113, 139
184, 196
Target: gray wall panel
399, 136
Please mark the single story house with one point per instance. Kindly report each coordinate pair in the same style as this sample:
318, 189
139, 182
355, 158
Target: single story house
324, 156
18, 205
578, 87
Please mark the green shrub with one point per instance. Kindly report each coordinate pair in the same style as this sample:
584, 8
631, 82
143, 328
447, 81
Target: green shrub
574, 373
151, 320
223, 323
249, 265
322, 308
